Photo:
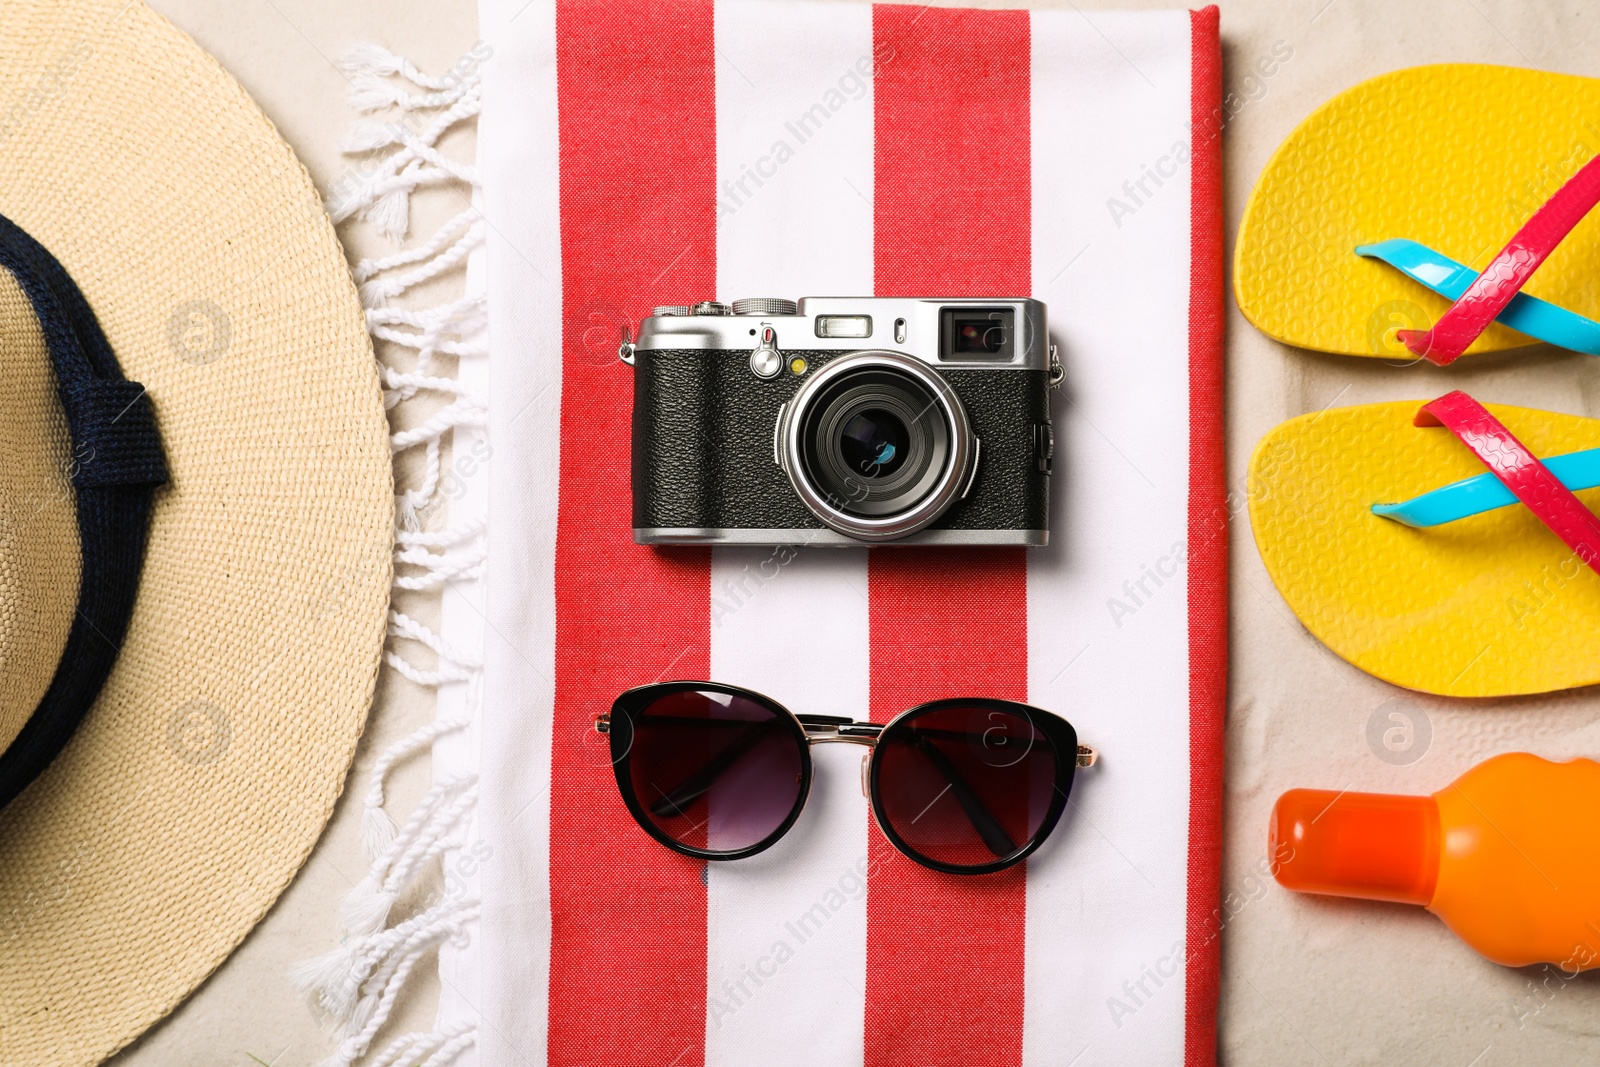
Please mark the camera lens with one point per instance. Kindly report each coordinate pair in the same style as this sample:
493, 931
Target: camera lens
873, 442
877, 445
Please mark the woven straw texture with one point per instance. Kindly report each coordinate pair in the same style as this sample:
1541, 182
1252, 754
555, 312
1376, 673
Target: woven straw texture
203, 775
1457, 156
38, 528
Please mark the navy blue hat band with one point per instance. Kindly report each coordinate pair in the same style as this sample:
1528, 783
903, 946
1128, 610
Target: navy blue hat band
118, 465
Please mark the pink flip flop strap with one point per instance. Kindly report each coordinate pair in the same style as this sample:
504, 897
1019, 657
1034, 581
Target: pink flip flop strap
1506, 274
1510, 461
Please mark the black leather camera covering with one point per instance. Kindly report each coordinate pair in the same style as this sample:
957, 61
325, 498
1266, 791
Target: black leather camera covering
702, 445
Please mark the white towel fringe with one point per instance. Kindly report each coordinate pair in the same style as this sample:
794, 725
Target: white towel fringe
447, 250
382, 194
437, 568
446, 806
428, 1050
462, 412
358, 982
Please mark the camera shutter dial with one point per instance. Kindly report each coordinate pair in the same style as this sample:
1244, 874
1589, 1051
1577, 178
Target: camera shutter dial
710, 307
765, 305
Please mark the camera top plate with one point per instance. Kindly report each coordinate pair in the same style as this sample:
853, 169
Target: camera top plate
908, 325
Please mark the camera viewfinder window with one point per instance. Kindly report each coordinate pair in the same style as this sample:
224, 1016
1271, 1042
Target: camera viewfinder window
977, 333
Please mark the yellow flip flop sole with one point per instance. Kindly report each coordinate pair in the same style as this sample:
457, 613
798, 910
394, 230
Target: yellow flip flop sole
1487, 606
1455, 156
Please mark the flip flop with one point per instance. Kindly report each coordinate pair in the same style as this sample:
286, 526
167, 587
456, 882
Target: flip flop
1394, 548
1381, 208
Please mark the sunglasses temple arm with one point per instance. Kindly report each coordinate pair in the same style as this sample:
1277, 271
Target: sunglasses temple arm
698, 783
994, 835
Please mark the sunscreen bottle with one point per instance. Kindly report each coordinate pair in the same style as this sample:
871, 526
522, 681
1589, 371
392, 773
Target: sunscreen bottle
1508, 855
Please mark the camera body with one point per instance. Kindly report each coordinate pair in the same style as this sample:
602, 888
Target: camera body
843, 421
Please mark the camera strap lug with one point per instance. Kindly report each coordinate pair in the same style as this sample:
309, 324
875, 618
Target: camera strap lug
1057, 371
625, 349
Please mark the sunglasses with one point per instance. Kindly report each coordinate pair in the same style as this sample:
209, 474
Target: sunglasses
968, 785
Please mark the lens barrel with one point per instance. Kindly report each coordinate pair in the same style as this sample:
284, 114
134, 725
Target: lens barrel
877, 445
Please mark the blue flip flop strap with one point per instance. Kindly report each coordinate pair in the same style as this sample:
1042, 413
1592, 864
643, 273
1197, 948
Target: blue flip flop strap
1537, 318
1485, 492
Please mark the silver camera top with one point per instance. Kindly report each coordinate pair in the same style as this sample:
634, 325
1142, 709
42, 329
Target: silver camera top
964, 333
875, 416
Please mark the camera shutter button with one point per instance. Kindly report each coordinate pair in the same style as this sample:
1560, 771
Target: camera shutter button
765, 360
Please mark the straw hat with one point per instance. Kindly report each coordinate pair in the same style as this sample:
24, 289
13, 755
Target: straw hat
246, 453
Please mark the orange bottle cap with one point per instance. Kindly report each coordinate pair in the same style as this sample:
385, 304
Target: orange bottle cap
1376, 846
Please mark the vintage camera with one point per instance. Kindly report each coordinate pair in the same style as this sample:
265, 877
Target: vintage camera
843, 420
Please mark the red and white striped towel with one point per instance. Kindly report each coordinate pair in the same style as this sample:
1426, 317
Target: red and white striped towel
638, 153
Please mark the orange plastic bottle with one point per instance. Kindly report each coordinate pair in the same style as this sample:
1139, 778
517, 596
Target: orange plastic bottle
1508, 855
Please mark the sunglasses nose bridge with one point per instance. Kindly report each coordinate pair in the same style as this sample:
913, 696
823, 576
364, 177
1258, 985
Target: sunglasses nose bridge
837, 729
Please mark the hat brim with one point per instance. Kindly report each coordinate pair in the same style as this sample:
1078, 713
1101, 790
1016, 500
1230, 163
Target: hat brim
201, 778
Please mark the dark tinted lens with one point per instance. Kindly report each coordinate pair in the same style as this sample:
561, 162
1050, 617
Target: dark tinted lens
715, 772
874, 442
966, 786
